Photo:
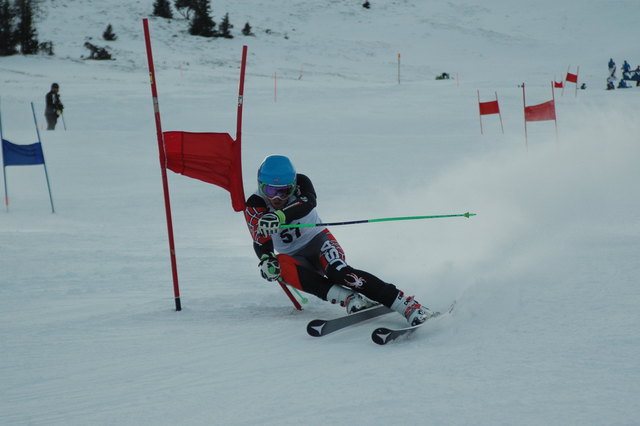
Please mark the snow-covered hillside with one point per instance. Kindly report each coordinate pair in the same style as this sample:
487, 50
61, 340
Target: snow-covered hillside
546, 328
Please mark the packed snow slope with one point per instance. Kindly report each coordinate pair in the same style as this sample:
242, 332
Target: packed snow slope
547, 325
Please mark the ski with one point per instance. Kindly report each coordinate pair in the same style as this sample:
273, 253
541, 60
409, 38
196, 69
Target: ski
384, 335
319, 327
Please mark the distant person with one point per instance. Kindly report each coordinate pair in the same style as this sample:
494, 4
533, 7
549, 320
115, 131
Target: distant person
610, 84
583, 86
636, 75
626, 67
623, 85
612, 68
53, 107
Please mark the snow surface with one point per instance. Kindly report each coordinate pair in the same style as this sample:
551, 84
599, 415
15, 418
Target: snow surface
546, 330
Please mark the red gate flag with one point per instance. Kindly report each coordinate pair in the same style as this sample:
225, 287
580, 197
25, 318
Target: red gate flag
491, 107
573, 78
558, 85
210, 157
486, 108
541, 112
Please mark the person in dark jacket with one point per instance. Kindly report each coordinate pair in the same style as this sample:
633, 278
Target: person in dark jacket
612, 68
54, 107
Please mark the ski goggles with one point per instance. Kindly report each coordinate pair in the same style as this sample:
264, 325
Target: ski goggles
277, 191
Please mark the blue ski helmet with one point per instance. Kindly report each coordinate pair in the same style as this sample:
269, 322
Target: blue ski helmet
276, 173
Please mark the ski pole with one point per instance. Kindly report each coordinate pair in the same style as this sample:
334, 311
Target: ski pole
300, 295
385, 219
290, 296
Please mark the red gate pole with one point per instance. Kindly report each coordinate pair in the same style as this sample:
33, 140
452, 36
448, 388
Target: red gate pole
524, 104
480, 113
499, 114
238, 142
555, 119
163, 164
243, 65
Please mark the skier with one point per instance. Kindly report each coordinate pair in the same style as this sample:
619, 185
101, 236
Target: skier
53, 106
310, 258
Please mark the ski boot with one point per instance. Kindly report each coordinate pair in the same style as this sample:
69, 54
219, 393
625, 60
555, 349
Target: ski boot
349, 299
414, 312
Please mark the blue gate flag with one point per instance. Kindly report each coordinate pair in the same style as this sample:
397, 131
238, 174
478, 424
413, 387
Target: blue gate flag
21, 155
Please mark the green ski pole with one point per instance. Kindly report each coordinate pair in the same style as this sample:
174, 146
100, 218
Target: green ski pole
300, 295
385, 219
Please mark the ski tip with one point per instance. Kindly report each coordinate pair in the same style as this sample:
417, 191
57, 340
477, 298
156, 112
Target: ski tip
315, 328
380, 335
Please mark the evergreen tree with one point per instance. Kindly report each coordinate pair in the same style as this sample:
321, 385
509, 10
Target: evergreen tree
225, 27
185, 7
46, 47
98, 53
162, 8
247, 30
25, 32
108, 34
202, 24
8, 40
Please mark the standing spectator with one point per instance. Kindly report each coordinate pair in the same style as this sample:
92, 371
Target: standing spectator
612, 68
626, 67
53, 107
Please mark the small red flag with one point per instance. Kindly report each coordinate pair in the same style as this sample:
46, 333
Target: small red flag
487, 108
210, 157
573, 78
557, 85
540, 112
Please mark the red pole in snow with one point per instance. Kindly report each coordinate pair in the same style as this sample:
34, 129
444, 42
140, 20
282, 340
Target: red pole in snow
524, 104
163, 164
555, 119
238, 141
499, 114
243, 65
480, 113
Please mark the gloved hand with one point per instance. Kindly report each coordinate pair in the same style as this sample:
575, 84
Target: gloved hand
268, 224
269, 267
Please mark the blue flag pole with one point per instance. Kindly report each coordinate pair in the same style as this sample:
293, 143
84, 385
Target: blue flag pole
4, 170
44, 163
